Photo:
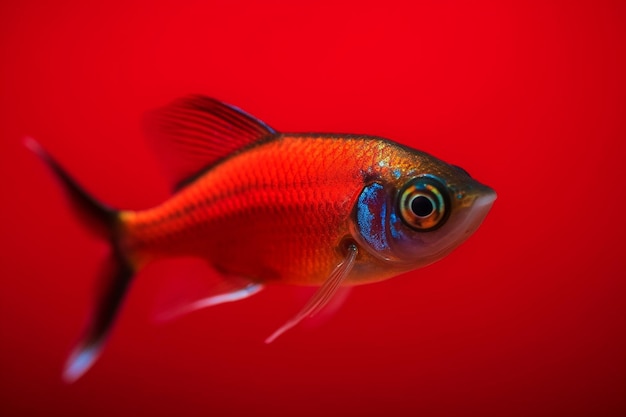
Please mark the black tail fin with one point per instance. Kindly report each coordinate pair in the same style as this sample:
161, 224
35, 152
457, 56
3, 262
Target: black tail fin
116, 275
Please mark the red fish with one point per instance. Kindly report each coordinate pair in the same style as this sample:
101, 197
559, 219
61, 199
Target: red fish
264, 207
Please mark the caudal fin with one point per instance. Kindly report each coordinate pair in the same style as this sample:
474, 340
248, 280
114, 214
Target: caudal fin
116, 273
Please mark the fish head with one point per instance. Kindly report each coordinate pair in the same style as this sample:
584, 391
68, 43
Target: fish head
417, 209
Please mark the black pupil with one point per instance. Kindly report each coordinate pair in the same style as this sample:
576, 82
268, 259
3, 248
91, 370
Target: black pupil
422, 206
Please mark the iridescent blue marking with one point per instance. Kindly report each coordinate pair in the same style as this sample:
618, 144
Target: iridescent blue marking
80, 361
396, 173
382, 219
393, 221
371, 215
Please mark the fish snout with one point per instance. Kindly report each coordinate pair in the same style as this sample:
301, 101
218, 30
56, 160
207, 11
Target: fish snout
480, 207
486, 198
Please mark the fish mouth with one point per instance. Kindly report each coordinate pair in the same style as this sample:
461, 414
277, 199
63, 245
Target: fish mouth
486, 198
479, 209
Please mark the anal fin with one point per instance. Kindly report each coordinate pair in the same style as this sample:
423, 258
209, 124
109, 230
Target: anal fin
190, 284
321, 296
235, 294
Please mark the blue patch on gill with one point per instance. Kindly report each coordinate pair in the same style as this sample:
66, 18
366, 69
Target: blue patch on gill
393, 222
371, 216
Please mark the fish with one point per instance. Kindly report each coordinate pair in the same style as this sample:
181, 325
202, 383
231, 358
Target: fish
263, 207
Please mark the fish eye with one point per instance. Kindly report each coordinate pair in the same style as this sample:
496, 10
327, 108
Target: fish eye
422, 206
424, 203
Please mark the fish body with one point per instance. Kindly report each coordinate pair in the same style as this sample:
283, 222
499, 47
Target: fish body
280, 211
268, 207
275, 213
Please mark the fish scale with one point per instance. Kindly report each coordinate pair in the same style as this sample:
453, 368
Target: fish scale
286, 201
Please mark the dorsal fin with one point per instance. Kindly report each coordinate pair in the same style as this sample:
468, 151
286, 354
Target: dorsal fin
193, 133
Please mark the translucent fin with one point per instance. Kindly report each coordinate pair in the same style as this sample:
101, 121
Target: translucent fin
193, 133
116, 273
80, 361
210, 301
187, 284
116, 278
322, 296
335, 304
96, 216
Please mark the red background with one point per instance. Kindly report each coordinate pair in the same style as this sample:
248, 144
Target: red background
527, 318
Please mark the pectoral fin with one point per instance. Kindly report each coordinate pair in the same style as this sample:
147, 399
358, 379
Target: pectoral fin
323, 295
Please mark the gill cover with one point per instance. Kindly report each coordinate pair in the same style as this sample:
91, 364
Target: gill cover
387, 221
373, 215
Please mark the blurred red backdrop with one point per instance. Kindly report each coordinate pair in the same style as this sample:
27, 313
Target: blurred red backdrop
527, 318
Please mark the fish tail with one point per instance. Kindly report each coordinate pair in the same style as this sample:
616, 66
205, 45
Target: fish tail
116, 273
